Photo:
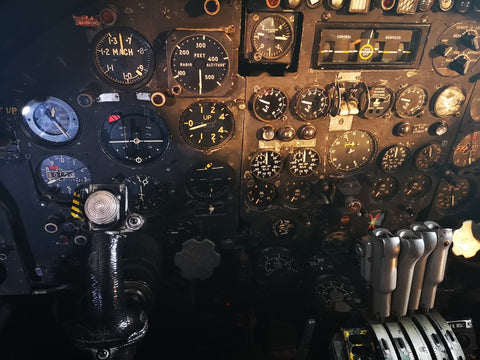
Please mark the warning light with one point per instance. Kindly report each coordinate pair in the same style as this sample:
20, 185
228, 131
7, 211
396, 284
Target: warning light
53, 167
113, 118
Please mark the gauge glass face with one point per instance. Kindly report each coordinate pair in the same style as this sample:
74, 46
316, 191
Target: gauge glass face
276, 264
429, 157
52, 120
417, 186
123, 57
351, 150
451, 196
394, 157
266, 164
449, 101
261, 194
312, 103
297, 193
269, 104
206, 125
303, 162
63, 174
283, 229
146, 194
467, 150
210, 180
411, 101
272, 37
384, 187
135, 139
379, 101
334, 294
199, 63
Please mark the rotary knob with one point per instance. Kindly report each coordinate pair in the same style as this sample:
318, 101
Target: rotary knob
197, 259
286, 133
444, 50
403, 129
471, 39
308, 132
460, 64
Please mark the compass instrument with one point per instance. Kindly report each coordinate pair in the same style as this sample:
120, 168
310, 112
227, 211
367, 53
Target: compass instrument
411, 101
52, 121
62, 174
351, 151
207, 125
467, 152
394, 157
429, 157
312, 103
303, 162
122, 57
135, 139
269, 104
199, 63
210, 180
272, 37
266, 164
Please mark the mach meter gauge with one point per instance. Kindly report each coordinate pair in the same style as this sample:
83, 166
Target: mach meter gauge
272, 37
122, 57
199, 63
206, 125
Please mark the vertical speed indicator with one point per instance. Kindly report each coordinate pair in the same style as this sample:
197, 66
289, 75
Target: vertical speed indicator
199, 63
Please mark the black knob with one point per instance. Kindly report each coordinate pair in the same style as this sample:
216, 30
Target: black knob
462, 6
286, 133
470, 39
403, 129
439, 128
444, 50
308, 132
461, 64
268, 133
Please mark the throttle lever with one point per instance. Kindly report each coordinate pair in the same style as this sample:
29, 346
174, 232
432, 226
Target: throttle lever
411, 249
386, 247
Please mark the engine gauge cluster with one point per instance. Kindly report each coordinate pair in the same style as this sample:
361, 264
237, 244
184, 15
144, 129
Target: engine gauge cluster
393, 158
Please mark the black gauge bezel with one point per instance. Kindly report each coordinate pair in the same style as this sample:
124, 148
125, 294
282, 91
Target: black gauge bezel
472, 187
423, 193
436, 163
298, 99
262, 92
403, 164
295, 151
280, 165
285, 50
101, 75
262, 206
418, 112
196, 145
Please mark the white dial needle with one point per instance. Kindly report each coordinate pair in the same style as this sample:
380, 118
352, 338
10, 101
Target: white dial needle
200, 81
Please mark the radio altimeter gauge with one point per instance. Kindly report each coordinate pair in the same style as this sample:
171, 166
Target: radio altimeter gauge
52, 120
351, 150
199, 63
123, 57
272, 37
411, 101
62, 174
266, 164
206, 125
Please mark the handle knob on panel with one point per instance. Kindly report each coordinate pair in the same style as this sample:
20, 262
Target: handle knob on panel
460, 64
308, 132
286, 134
471, 39
444, 50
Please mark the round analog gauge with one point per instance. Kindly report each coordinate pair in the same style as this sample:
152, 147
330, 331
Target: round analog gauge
146, 194
199, 63
283, 229
467, 150
62, 174
276, 264
261, 194
51, 120
411, 101
451, 196
266, 164
272, 37
335, 293
312, 103
297, 193
376, 102
135, 139
351, 150
206, 124
449, 101
384, 187
269, 104
123, 57
417, 186
210, 180
303, 162
394, 157
429, 156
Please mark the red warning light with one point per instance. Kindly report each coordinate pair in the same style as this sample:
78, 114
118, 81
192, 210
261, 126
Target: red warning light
53, 167
113, 118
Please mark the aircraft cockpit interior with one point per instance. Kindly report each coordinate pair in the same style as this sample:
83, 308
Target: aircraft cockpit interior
228, 179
